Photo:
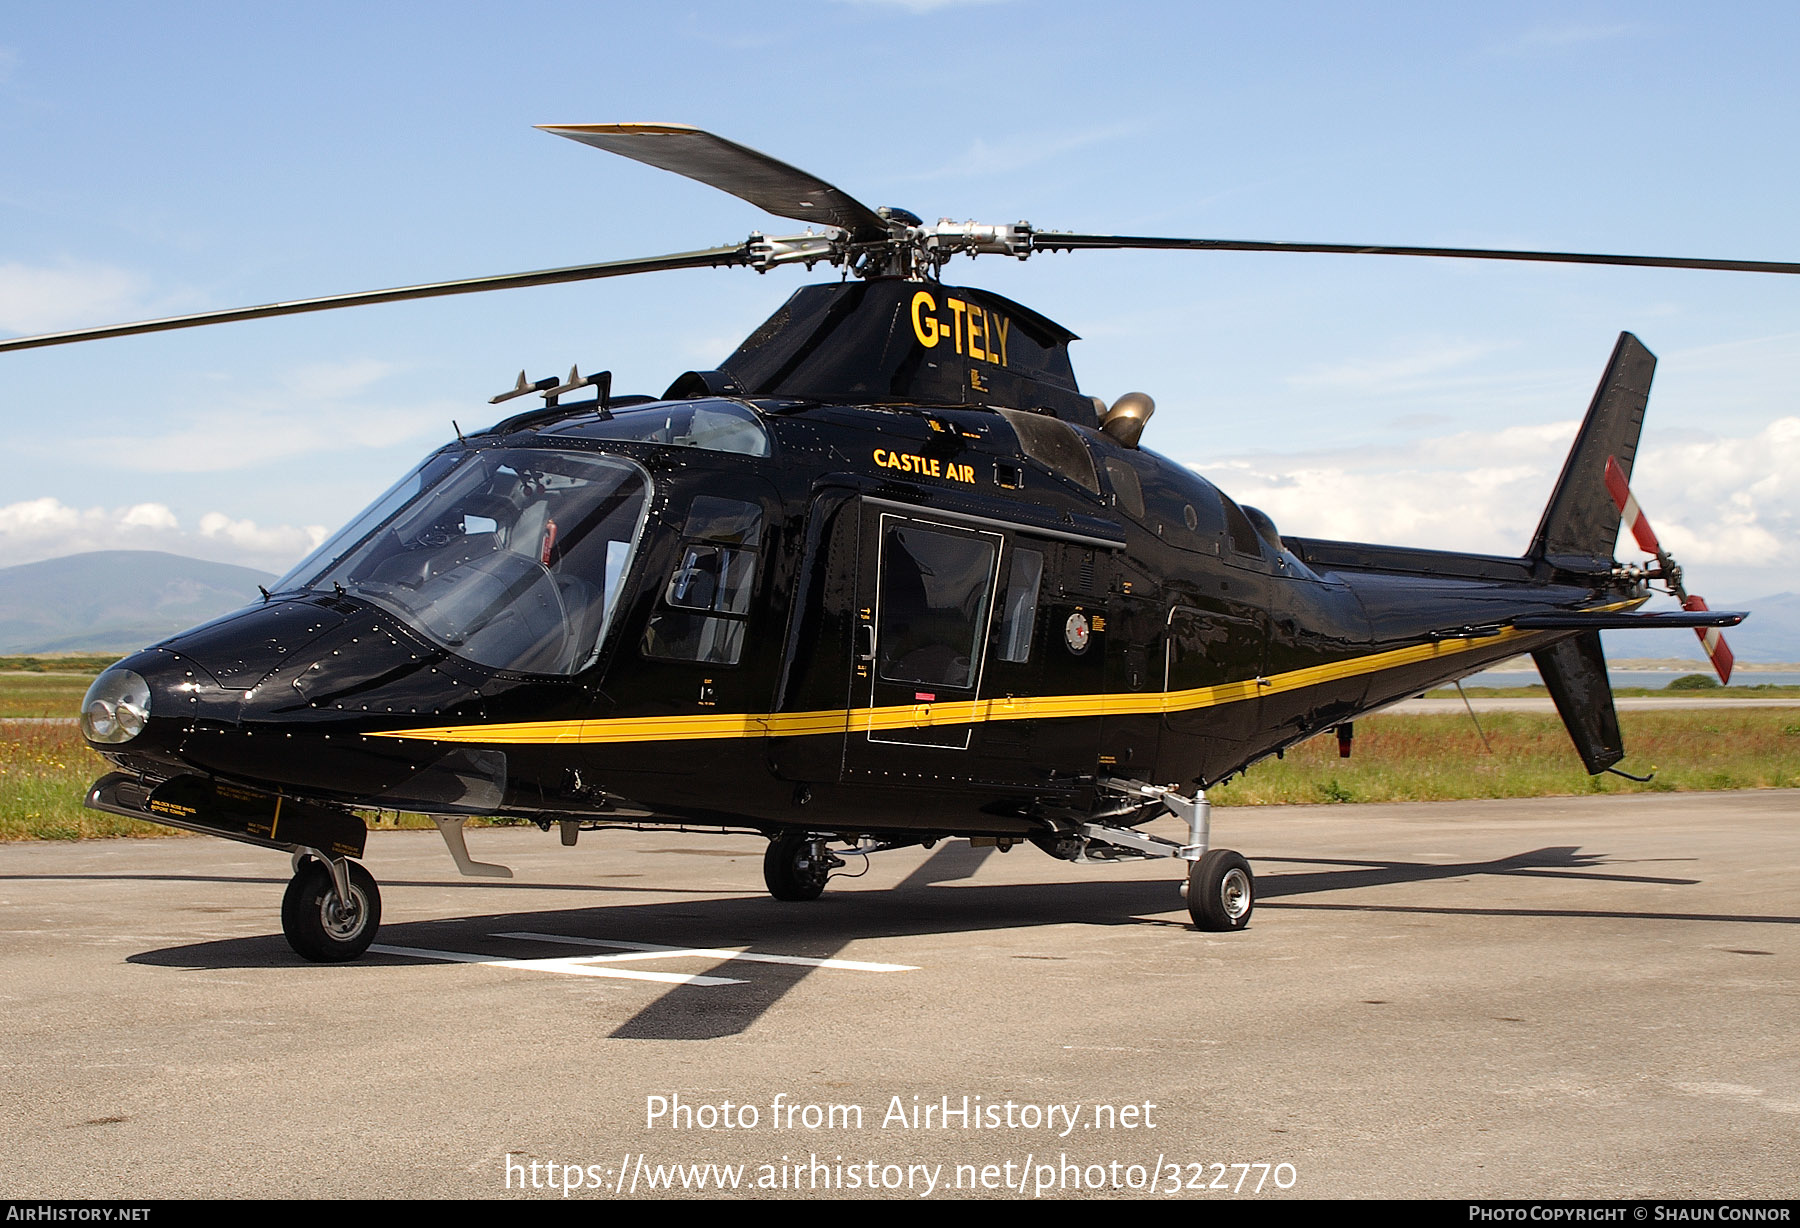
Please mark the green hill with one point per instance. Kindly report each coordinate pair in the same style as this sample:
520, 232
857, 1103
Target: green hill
115, 601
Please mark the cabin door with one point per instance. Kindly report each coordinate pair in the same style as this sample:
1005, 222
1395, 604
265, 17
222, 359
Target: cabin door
925, 603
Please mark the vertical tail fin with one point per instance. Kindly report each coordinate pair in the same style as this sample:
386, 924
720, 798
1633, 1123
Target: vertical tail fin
1581, 522
1579, 533
1575, 671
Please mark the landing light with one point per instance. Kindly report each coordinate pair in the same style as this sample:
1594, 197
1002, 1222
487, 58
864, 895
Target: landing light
116, 707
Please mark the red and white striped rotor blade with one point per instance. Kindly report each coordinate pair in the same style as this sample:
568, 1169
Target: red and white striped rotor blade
1635, 520
1710, 639
1717, 650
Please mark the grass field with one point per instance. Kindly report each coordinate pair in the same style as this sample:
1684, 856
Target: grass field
1402, 758
85, 665
42, 694
45, 770
1748, 690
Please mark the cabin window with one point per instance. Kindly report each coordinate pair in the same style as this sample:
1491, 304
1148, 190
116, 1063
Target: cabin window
687, 637
712, 578
1018, 609
1209, 512
710, 425
1244, 538
1054, 444
1128, 492
707, 599
933, 605
725, 520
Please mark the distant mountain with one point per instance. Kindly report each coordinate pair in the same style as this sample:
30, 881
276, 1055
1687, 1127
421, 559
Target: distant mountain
115, 600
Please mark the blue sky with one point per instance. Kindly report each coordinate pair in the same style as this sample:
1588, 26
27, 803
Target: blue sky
179, 157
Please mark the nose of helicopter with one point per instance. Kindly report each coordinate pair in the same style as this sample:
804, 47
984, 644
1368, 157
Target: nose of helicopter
284, 696
138, 710
148, 704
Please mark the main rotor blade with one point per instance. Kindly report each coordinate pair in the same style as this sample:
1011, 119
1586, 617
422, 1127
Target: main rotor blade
1055, 241
711, 257
771, 185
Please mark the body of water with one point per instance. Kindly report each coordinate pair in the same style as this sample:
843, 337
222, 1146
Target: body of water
1654, 678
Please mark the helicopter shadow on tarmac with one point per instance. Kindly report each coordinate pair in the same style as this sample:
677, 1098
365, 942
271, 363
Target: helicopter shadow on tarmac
735, 994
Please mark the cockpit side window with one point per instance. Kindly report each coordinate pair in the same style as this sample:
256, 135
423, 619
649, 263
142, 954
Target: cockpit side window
705, 605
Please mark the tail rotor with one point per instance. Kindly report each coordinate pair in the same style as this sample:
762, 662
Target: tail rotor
1667, 569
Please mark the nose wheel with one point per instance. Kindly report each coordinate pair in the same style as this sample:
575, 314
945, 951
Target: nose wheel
331, 911
797, 865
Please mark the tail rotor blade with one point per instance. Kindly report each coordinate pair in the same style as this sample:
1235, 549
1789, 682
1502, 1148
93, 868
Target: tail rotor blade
1634, 517
1717, 650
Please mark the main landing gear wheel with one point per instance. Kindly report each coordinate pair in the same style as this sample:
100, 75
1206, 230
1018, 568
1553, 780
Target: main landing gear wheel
320, 926
1221, 891
796, 866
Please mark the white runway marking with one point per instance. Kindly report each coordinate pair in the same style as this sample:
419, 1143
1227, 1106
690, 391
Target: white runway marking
568, 966
632, 952
650, 950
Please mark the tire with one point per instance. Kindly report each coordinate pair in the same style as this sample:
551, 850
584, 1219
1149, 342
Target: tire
791, 870
320, 930
1221, 891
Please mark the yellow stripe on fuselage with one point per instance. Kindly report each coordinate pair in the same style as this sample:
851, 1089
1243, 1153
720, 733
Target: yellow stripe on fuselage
962, 712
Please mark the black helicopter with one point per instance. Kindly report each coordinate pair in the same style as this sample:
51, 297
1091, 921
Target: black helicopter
885, 576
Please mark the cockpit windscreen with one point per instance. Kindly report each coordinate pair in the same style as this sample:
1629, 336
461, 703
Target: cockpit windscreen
514, 559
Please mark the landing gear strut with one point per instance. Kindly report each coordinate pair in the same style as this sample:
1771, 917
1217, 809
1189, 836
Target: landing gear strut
331, 909
797, 865
1220, 888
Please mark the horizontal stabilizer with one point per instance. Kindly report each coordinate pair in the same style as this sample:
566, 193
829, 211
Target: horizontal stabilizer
1614, 621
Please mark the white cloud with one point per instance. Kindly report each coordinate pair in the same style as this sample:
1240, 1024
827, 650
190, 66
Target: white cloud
223, 440
1724, 500
36, 299
1403, 373
47, 528
284, 541
149, 516
1715, 501
319, 408
333, 381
